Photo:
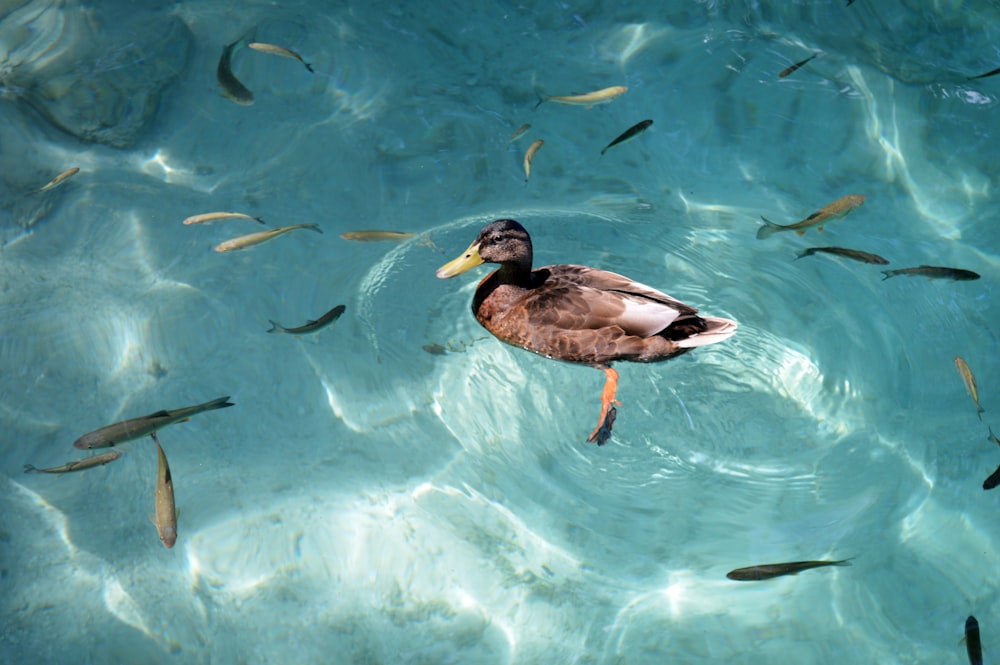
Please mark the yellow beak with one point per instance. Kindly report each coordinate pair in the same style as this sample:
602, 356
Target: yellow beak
466, 261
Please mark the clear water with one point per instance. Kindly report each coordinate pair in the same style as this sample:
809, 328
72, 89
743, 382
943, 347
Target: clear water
367, 501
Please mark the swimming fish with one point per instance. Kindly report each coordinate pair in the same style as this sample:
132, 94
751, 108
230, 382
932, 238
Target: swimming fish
519, 131
857, 255
135, 428
274, 49
214, 216
252, 239
989, 73
768, 570
932, 272
970, 383
231, 86
602, 96
835, 210
55, 182
629, 134
310, 326
788, 70
993, 480
372, 236
166, 510
78, 465
529, 155
972, 644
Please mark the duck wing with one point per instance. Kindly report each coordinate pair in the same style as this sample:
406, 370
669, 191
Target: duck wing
575, 297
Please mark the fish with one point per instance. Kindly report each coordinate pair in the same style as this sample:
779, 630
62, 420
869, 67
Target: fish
932, 272
970, 384
166, 509
242, 242
214, 216
78, 465
835, 210
519, 131
629, 134
768, 570
310, 326
972, 644
529, 155
992, 72
993, 480
372, 236
788, 70
274, 49
135, 428
232, 87
602, 96
857, 255
59, 179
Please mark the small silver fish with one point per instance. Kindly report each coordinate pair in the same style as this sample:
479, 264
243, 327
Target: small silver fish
519, 132
59, 179
252, 239
602, 96
835, 210
274, 49
135, 428
933, 272
856, 254
788, 70
970, 383
973, 646
232, 87
629, 134
214, 216
769, 570
310, 326
530, 155
78, 465
372, 236
166, 509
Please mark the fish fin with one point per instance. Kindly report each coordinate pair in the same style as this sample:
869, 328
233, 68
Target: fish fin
29, 468
888, 274
314, 227
541, 100
309, 67
162, 413
819, 229
768, 228
184, 421
275, 327
260, 219
979, 412
799, 232
219, 403
590, 107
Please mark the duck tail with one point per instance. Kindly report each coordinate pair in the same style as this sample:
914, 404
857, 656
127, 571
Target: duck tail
717, 329
768, 228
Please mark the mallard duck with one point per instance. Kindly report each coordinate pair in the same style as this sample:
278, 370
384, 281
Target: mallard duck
578, 314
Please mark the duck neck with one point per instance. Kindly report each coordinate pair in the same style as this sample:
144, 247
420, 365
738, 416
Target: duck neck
516, 273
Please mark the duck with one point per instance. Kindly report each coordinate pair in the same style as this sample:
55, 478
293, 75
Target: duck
578, 314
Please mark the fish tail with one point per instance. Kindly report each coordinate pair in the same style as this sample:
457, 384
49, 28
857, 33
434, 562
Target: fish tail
979, 412
30, 468
275, 326
541, 100
888, 274
768, 229
314, 227
842, 562
219, 403
309, 67
260, 219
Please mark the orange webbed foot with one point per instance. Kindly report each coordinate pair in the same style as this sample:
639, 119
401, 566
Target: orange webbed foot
602, 432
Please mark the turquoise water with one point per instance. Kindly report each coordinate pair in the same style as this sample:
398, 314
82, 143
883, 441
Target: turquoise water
368, 501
